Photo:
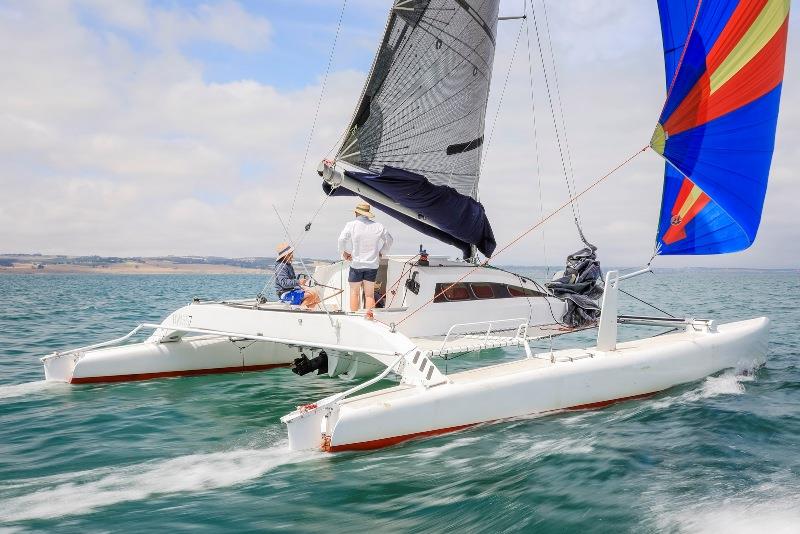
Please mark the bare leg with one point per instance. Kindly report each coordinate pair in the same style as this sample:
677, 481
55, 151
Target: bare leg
369, 295
355, 296
311, 299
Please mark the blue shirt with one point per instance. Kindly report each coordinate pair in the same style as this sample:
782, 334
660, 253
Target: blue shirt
285, 279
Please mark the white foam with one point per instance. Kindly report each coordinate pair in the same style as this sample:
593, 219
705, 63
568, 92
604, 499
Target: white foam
28, 388
439, 450
739, 516
83, 492
725, 384
728, 383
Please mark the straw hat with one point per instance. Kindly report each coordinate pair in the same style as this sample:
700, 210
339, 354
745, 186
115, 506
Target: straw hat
282, 250
365, 210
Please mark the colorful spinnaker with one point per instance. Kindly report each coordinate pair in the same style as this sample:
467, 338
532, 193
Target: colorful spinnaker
724, 64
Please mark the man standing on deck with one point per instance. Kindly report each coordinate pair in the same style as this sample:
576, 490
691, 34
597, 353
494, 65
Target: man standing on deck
362, 242
288, 286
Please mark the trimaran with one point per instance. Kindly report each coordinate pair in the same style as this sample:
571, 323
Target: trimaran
413, 149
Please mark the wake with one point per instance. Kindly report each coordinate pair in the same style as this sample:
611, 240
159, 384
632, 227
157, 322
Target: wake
28, 388
83, 492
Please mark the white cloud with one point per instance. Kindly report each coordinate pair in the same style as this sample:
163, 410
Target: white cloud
224, 22
113, 148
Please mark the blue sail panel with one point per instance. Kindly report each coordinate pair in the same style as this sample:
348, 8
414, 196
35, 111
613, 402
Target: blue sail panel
724, 69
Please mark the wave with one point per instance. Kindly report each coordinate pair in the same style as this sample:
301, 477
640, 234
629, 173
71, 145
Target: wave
766, 507
82, 492
728, 383
776, 517
28, 388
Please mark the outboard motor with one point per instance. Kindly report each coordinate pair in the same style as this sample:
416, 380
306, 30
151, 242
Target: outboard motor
302, 365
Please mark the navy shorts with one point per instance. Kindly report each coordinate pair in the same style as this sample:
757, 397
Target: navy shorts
365, 275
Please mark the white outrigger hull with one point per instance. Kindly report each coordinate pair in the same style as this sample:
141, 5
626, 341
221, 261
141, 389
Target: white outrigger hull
428, 403
542, 383
193, 355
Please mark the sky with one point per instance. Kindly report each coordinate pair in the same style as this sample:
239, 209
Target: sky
144, 128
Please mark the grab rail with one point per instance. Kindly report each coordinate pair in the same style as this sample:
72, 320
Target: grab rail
95, 346
522, 321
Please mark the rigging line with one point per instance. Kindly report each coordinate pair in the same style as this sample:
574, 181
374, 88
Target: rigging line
561, 110
299, 241
308, 225
302, 263
406, 81
646, 303
535, 135
680, 61
529, 230
399, 96
400, 53
500, 102
316, 114
555, 123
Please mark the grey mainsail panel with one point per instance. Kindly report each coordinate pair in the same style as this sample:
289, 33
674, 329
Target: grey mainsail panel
424, 103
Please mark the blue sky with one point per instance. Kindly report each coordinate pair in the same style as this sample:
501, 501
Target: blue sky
172, 127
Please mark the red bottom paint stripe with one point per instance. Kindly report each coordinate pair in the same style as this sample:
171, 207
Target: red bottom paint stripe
387, 442
603, 404
167, 374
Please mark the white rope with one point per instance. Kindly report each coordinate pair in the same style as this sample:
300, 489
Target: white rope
500, 101
535, 137
316, 112
561, 107
302, 263
570, 188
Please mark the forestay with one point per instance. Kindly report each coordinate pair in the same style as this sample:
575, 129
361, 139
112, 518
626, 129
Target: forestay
724, 64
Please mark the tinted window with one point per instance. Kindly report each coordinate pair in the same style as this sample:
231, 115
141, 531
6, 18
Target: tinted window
452, 292
481, 291
517, 291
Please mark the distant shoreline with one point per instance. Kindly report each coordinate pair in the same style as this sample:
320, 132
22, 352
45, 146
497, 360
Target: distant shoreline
32, 269
38, 264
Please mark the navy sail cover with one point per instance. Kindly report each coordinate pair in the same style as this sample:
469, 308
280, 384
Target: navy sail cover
457, 219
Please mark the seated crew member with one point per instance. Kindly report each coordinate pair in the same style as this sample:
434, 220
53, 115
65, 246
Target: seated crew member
363, 241
288, 286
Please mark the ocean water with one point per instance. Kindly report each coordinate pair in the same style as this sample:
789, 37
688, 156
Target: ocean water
209, 452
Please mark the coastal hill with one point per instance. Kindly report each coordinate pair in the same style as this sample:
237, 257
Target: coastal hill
40, 263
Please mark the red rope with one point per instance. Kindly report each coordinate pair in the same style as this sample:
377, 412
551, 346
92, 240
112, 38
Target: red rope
528, 231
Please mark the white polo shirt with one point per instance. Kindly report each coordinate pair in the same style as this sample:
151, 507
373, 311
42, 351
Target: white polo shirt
365, 240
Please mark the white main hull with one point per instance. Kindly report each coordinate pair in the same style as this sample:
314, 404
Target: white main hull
245, 336
570, 379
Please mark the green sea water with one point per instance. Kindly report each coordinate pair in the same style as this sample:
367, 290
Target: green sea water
209, 453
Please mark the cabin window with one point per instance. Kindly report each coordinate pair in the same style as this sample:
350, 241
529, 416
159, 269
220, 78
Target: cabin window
481, 291
517, 291
453, 292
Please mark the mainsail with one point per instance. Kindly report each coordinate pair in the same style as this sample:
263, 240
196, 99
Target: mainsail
724, 63
422, 113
